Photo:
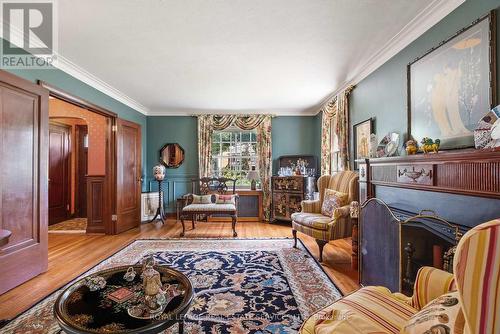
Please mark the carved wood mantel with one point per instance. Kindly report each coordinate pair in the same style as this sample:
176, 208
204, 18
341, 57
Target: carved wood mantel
466, 172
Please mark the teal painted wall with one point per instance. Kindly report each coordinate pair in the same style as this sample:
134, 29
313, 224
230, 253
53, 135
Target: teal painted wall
74, 86
173, 129
382, 94
295, 135
290, 135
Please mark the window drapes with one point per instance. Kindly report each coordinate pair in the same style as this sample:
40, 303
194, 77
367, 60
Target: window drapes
262, 123
337, 107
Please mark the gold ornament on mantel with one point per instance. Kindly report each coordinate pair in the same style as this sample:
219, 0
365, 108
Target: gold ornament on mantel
411, 147
429, 145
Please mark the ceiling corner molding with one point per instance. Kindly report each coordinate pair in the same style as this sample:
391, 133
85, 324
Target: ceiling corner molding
81, 74
192, 111
426, 19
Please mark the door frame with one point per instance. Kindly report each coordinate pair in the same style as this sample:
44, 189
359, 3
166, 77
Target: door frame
109, 195
78, 157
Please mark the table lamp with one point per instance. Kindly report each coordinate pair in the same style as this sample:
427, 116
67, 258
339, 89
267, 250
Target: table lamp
253, 176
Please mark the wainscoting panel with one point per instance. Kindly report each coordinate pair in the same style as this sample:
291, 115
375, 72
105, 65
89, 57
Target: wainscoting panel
173, 187
95, 204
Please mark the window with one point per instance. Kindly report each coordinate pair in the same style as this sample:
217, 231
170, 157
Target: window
234, 152
334, 146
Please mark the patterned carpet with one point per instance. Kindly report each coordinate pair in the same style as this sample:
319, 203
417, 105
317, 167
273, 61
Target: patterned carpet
241, 285
75, 225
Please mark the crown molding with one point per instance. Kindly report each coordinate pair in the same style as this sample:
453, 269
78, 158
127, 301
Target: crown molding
426, 19
83, 75
192, 111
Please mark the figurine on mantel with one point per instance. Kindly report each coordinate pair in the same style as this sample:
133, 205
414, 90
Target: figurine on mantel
429, 145
411, 147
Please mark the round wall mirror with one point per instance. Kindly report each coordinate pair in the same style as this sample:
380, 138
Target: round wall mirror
172, 155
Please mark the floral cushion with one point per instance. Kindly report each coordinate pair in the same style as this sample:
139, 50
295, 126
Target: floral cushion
209, 208
331, 201
204, 199
442, 315
225, 199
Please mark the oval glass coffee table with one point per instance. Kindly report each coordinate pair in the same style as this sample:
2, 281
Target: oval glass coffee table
80, 310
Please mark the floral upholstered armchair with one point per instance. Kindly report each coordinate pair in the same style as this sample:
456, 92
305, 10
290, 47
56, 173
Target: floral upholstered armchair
466, 301
313, 223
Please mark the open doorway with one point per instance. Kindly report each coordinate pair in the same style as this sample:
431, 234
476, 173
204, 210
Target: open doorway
78, 151
114, 174
68, 169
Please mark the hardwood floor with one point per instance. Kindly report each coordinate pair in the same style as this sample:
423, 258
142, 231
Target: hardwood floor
71, 255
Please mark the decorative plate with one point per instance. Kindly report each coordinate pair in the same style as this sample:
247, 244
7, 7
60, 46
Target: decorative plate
388, 146
483, 133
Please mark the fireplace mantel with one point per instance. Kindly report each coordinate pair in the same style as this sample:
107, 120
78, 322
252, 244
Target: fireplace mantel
466, 172
462, 187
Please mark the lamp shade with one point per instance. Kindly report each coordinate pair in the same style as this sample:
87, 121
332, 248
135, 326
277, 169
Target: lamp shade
253, 175
159, 172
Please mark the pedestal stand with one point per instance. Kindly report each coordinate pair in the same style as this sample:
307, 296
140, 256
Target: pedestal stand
160, 213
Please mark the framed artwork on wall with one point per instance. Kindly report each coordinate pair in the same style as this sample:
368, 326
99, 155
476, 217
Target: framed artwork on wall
453, 85
362, 132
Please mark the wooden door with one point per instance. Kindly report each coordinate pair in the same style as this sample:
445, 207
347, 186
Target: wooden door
81, 170
59, 172
128, 175
23, 179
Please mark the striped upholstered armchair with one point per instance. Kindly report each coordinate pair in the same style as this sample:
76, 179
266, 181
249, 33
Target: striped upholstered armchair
311, 222
466, 301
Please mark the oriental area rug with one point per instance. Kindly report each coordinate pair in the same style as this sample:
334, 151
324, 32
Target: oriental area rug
241, 285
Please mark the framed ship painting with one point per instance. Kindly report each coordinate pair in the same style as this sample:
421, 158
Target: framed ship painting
453, 85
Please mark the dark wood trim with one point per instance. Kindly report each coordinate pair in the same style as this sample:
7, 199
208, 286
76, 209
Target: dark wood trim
125, 216
110, 177
67, 169
464, 172
96, 212
110, 198
22, 260
81, 170
70, 98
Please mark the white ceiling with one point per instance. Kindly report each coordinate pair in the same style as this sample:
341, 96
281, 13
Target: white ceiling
173, 57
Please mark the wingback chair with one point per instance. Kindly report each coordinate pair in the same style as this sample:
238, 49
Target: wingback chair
473, 285
311, 222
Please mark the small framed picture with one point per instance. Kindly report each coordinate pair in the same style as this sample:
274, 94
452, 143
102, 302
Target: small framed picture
362, 132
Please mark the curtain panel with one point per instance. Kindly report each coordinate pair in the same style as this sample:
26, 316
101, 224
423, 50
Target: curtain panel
328, 112
342, 130
207, 124
205, 131
337, 107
